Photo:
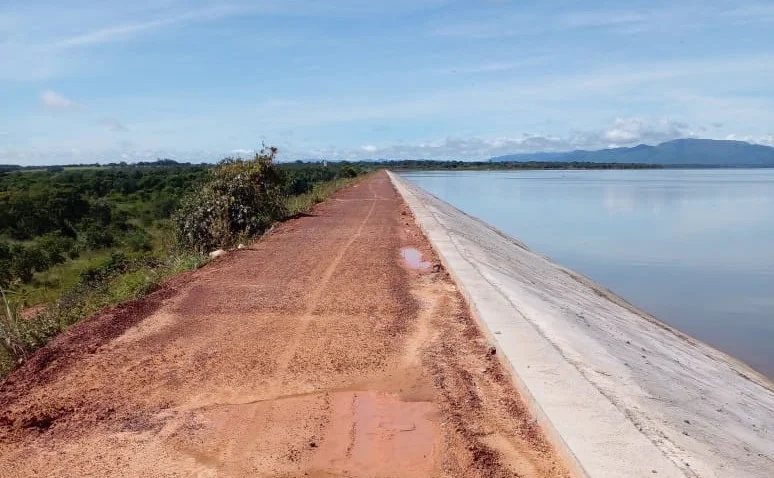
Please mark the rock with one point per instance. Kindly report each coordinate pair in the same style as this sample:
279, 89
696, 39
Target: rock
216, 254
241, 246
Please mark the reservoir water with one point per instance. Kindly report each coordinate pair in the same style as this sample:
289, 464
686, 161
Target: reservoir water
695, 248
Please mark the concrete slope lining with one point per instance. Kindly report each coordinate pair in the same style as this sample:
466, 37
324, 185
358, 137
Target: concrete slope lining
622, 393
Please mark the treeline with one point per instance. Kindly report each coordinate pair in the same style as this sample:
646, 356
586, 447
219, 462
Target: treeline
57, 168
509, 165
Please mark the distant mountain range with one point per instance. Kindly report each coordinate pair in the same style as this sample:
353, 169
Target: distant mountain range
679, 152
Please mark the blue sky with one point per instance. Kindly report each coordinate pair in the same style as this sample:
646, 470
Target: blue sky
85, 81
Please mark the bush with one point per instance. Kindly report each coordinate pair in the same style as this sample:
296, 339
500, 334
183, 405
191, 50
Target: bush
95, 236
25, 261
241, 198
56, 246
138, 241
349, 172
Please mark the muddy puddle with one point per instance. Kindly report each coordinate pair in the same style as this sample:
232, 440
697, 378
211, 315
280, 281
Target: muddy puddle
413, 259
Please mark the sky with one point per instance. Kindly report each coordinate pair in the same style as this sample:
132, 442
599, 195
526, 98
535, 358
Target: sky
85, 81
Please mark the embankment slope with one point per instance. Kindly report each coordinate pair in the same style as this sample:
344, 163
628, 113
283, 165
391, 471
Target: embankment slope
623, 393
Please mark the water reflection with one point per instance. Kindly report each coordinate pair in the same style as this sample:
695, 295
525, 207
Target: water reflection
694, 247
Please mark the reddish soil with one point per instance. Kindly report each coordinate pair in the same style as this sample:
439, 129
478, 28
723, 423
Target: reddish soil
317, 351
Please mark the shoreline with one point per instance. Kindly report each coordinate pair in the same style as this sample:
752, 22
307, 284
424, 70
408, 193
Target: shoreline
694, 410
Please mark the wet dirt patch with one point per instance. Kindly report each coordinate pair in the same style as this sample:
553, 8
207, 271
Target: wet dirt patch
376, 434
413, 259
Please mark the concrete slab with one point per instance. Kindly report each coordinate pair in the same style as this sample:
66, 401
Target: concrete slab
621, 393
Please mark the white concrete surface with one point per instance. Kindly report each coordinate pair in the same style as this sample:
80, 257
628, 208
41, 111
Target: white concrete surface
619, 392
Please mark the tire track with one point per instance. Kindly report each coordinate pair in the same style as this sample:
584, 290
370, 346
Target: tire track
314, 299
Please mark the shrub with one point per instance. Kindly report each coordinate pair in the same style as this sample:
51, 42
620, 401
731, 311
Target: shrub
138, 241
56, 246
242, 198
349, 172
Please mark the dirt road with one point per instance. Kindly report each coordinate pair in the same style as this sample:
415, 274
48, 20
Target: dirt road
320, 350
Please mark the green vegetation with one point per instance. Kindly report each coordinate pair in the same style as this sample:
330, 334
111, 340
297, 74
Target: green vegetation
242, 198
79, 239
117, 279
301, 203
74, 216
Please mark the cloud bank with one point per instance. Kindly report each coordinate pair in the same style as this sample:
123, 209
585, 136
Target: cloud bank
621, 132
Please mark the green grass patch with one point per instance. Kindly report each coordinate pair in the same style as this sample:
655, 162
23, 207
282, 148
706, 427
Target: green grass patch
116, 279
303, 203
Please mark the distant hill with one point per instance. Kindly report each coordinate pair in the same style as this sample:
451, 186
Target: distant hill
679, 152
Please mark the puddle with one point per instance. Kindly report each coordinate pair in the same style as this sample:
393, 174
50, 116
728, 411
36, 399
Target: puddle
413, 259
375, 434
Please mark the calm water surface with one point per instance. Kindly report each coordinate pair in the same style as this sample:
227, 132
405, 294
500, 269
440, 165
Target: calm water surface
693, 247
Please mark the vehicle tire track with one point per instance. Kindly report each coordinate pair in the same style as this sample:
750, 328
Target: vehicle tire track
303, 322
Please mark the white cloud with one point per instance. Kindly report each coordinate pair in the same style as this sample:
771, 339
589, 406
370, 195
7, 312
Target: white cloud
632, 21
114, 125
766, 140
528, 22
239, 152
102, 25
600, 19
625, 132
129, 30
112, 33
622, 132
637, 130
44, 157
623, 83
55, 101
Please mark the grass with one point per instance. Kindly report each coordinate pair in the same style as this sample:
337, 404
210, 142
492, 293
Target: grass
11, 350
20, 336
48, 285
305, 202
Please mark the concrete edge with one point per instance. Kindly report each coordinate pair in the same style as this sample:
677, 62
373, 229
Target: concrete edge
570, 460
578, 465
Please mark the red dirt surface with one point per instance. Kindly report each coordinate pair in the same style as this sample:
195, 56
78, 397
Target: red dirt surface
317, 351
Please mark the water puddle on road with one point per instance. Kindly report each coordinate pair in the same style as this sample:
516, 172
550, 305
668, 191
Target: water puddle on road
376, 434
413, 259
